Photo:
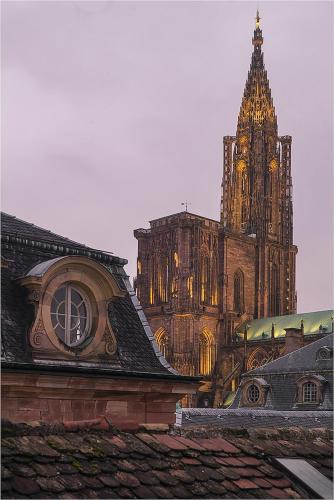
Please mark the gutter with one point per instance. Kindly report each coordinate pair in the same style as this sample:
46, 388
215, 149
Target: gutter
95, 372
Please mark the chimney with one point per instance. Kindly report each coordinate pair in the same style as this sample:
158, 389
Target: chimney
293, 339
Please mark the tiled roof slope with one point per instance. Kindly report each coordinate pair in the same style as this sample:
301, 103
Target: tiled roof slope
23, 229
50, 462
27, 233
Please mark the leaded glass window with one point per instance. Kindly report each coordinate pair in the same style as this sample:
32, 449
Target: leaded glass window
70, 315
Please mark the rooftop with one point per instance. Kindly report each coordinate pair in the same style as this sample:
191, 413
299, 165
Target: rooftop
97, 461
23, 232
247, 418
314, 322
300, 360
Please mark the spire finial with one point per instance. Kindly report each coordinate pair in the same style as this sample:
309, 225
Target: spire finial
257, 23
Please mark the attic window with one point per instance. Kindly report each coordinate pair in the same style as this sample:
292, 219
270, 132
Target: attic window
71, 297
253, 393
70, 315
309, 392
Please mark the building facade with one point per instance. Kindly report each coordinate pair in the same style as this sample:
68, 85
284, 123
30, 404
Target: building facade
198, 279
75, 343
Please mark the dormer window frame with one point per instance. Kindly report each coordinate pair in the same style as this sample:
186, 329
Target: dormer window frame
95, 284
252, 387
310, 395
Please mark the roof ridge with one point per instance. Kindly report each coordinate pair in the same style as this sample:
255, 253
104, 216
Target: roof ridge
42, 229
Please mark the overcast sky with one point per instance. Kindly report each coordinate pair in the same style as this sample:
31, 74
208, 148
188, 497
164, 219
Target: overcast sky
114, 112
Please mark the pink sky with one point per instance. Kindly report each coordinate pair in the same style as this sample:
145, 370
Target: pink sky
114, 112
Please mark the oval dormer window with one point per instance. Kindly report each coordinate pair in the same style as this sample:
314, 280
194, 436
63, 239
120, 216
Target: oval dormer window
71, 315
253, 393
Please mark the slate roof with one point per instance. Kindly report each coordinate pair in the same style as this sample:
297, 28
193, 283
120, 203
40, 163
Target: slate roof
25, 246
20, 231
66, 462
282, 376
252, 418
303, 359
311, 321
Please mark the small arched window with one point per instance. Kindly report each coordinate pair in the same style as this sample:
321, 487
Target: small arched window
206, 352
161, 338
238, 291
310, 392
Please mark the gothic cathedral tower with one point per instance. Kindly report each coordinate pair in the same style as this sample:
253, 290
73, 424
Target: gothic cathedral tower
257, 255
199, 279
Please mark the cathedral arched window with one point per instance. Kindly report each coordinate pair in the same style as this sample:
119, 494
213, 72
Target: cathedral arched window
238, 291
205, 278
159, 283
163, 279
206, 352
161, 338
274, 292
214, 284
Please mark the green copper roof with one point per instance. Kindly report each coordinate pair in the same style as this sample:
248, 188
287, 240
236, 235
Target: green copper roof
313, 322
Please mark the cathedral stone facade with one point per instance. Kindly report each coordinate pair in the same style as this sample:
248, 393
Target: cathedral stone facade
198, 279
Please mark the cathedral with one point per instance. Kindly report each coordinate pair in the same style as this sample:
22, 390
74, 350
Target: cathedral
220, 296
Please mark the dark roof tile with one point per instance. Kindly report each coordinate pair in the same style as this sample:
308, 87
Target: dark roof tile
198, 489
127, 479
236, 462
263, 483
24, 486
180, 491
71, 483
190, 461
218, 444
280, 483
109, 481
249, 472
249, 460
162, 492
51, 484
215, 487
165, 478
91, 482
229, 472
277, 493
170, 442
144, 492
292, 493
45, 470
182, 475
124, 493
189, 443
245, 484
22, 470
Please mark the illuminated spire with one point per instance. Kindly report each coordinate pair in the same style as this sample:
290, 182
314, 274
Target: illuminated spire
257, 104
